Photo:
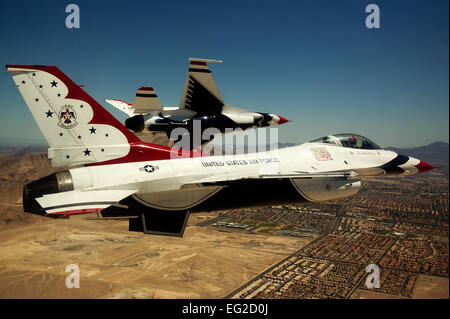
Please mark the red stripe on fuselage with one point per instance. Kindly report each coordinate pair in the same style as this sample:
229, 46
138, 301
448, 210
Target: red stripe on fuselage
79, 211
144, 152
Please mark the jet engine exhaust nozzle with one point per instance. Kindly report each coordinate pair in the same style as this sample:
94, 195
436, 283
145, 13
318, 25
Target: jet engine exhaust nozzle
54, 183
135, 123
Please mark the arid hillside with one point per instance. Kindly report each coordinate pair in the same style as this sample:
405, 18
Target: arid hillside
15, 171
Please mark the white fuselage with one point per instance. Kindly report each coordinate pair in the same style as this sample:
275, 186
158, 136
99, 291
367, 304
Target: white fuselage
317, 171
171, 175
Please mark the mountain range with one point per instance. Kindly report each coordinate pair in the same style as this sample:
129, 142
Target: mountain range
436, 154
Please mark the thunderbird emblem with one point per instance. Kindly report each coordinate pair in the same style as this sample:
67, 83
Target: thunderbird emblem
67, 117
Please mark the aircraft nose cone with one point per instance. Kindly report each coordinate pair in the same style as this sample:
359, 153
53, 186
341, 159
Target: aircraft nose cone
423, 167
282, 120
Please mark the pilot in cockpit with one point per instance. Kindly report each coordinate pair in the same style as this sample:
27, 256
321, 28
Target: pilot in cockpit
352, 141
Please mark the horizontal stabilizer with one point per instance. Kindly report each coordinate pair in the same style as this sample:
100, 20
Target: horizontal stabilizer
81, 155
81, 202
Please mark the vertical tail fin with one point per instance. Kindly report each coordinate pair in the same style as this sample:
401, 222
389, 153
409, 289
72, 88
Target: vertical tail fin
146, 101
77, 128
200, 93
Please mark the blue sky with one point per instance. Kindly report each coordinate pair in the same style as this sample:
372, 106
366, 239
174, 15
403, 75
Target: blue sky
313, 62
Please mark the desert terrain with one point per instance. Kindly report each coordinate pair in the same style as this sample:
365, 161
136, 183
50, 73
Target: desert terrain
116, 263
213, 261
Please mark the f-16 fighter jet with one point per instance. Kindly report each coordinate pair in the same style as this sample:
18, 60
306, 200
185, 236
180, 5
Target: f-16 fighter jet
118, 175
200, 101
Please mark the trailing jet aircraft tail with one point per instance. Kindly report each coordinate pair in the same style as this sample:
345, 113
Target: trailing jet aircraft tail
200, 93
146, 101
77, 128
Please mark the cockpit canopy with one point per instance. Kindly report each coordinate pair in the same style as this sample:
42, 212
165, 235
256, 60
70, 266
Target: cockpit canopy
348, 140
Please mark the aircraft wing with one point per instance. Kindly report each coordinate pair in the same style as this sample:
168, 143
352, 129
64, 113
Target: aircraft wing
123, 106
200, 93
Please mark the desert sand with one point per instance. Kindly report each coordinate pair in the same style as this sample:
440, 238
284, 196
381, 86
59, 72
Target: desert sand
115, 263
431, 287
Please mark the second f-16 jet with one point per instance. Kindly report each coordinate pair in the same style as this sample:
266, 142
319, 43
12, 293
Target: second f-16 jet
200, 102
111, 172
